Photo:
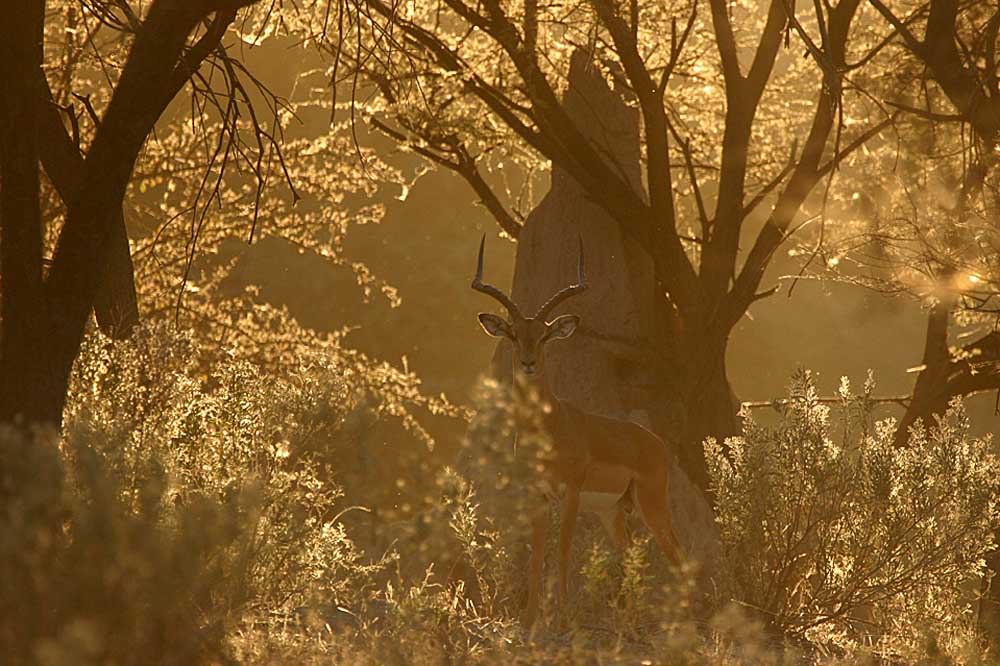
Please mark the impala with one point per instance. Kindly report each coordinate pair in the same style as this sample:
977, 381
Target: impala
603, 464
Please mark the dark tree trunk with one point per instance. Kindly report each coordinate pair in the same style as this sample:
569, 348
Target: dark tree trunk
116, 306
708, 404
930, 392
22, 358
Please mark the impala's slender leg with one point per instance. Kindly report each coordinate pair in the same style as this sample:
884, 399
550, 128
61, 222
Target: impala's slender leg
571, 506
654, 502
539, 534
623, 507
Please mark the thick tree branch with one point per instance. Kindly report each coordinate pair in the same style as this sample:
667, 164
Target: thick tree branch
960, 83
933, 371
726, 44
958, 79
658, 174
805, 175
138, 100
949, 373
116, 304
718, 261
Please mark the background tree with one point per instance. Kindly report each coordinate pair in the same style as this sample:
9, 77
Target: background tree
928, 230
952, 238
463, 84
44, 315
227, 162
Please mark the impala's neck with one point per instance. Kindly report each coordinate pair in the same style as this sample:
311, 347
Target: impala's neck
537, 385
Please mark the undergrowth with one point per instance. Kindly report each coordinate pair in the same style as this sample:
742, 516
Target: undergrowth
191, 516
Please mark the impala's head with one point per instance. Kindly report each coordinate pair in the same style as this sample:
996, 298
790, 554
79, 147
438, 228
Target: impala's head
529, 335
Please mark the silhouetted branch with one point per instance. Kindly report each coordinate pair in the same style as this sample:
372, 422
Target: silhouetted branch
464, 165
136, 104
777, 404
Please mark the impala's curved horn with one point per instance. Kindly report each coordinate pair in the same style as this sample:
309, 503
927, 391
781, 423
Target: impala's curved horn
490, 290
564, 293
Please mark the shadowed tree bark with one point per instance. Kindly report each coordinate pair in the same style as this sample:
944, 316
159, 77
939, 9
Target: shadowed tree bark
44, 321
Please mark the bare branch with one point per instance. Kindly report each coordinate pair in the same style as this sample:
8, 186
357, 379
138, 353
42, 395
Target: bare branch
805, 175
742, 99
463, 164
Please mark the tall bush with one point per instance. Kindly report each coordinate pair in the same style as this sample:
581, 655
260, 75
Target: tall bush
836, 535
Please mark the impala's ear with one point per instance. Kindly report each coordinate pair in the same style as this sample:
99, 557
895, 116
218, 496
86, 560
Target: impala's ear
562, 327
495, 326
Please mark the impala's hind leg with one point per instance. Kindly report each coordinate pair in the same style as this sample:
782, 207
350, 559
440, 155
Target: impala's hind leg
618, 527
653, 500
615, 521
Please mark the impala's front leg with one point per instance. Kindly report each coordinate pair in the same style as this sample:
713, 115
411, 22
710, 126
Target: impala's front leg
539, 534
571, 506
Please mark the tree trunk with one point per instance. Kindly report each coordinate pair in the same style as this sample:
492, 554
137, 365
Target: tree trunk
696, 402
116, 305
708, 401
83, 249
22, 358
929, 395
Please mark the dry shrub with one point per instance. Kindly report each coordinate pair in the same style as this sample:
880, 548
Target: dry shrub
175, 511
835, 535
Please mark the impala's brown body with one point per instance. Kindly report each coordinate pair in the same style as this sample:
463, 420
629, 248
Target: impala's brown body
606, 465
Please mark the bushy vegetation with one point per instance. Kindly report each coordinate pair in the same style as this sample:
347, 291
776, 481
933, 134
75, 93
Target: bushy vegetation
836, 535
190, 514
